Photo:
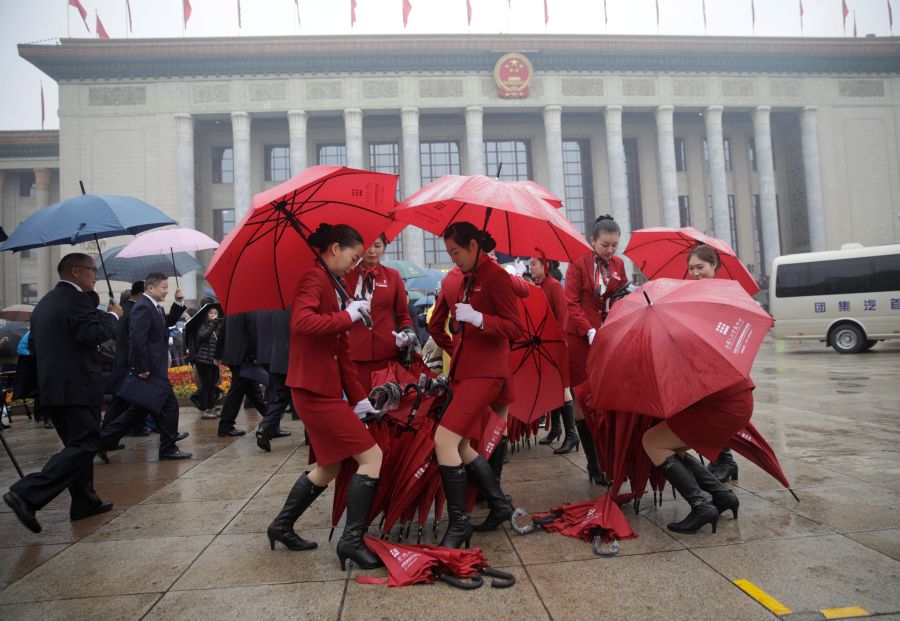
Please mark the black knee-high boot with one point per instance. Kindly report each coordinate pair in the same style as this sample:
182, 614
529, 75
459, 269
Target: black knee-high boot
500, 505
459, 530
301, 496
359, 502
702, 511
595, 473
570, 441
498, 457
723, 498
724, 467
555, 428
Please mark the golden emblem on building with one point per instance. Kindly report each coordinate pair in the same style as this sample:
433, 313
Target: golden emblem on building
513, 73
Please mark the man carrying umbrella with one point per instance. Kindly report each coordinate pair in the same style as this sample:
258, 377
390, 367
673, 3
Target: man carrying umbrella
66, 330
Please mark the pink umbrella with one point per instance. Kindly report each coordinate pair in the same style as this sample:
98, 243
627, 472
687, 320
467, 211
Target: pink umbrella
168, 241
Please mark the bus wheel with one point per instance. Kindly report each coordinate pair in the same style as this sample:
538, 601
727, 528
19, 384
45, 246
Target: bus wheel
848, 338
869, 345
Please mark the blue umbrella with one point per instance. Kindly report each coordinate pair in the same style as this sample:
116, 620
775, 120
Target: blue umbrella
425, 300
132, 269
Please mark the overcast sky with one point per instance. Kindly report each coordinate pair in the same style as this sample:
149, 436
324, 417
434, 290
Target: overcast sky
24, 21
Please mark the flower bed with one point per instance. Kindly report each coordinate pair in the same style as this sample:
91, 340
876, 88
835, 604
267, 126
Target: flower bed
184, 383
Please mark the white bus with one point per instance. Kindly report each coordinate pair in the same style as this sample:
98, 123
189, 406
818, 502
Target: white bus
848, 298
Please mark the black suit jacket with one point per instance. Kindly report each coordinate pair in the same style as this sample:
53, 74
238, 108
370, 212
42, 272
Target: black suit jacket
66, 329
281, 341
264, 336
237, 339
148, 337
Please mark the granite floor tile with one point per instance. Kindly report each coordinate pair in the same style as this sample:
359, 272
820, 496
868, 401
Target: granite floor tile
83, 609
169, 520
886, 541
234, 486
16, 562
845, 507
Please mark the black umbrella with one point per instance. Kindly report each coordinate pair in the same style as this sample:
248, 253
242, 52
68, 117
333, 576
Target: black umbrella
132, 269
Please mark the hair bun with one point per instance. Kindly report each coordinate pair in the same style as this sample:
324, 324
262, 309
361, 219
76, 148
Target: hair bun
605, 216
317, 239
488, 242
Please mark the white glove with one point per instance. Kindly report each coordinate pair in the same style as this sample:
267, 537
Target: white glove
356, 309
401, 339
591, 333
465, 312
363, 408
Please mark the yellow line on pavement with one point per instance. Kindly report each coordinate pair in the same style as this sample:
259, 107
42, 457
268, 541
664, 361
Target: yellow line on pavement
772, 604
844, 613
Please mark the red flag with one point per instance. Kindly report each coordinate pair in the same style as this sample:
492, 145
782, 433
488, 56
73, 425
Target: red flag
186, 11
469, 11
82, 11
890, 17
101, 31
845, 12
407, 7
352, 12
42, 104
128, 12
239, 14
704, 15
546, 13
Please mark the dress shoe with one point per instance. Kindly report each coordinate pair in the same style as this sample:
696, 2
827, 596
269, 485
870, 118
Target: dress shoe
281, 433
176, 454
181, 435
263, 441
103, 507
208, 415
48, 425
23, 511
231, 433
117, 447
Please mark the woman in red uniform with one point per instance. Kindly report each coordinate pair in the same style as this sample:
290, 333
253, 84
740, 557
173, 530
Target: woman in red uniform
546, 275
706, 427
373, 348
320, 372
480, 374
592, 281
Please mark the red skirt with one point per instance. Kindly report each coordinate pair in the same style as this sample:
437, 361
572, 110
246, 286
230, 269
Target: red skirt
578, 358
709, 424
472, 399
365, 368
335, 432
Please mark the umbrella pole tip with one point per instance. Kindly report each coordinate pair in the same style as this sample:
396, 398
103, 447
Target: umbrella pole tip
647, 297
793, 494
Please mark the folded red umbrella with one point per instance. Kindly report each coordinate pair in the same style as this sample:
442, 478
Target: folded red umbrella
259, 263
674, 342
598, 521
537, 360
750, 443
662, 252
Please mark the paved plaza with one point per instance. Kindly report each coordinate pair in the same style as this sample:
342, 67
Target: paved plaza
186, 539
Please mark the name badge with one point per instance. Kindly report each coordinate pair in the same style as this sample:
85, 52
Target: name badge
474, 289
381, 284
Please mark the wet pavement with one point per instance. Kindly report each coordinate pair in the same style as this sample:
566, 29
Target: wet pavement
186, 539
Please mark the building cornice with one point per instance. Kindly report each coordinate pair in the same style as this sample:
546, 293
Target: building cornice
29, 144
90, 59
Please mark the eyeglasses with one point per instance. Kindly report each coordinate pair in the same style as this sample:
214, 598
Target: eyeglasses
88, 267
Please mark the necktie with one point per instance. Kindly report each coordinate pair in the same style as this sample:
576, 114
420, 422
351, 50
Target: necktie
162, 313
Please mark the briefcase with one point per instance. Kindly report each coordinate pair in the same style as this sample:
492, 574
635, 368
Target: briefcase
150, 393
254, 373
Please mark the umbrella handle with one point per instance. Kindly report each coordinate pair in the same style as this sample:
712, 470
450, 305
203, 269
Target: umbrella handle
599, 550
174, 269
531, 527
505, 580
460, 583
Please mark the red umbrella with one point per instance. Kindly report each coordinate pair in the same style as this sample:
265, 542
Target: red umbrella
750, 443
598, 521
673, 343
259, 263
541, 192
662, 252
537, 360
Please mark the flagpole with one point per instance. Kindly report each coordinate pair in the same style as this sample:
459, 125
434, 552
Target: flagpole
68, 22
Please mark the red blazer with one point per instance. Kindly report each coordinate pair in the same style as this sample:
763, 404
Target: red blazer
484, 352
389, 313
320, 348
587, 311
556, 296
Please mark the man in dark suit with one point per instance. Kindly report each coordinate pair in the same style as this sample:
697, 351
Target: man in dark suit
148, 345
273, 336
66, 329
237, 346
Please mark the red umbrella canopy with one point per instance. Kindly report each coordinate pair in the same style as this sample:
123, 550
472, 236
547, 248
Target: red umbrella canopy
259, 263
750, 443
405, 564
662, 252
519, 219
537, 359
541, 192
674, 342
604, 519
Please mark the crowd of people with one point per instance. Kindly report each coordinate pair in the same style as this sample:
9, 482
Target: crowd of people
349, 319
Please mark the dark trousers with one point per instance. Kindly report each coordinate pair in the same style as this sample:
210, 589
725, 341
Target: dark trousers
166, 421
73, 467
278, 397
207, 377
240, 387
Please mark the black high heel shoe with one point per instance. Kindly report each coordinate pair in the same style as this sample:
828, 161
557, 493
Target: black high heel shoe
723, 498
351, 545
460, 529
301, 496
702, 511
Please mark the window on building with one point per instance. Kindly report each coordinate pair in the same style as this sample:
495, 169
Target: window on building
385, 157
26, 182
732, 220
578, 179
680, 156
437, 159
751, 152
632, 171
684, 210
759, 251
223, 222
278, 163
331, 154
514, 155
29, 294
223, 165
726, 147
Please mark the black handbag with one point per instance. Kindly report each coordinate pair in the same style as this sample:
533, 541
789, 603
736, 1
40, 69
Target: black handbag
254, 372
150, 393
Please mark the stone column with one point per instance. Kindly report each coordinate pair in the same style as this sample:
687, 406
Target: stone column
240, 132
297, 131
475, 141
553, 138
184, 130
618, 180
765, 172
668, 176
411, 174
45, 271
721, 225
353, 137
812, 173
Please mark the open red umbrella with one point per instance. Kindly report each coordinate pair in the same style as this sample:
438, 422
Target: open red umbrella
541, 192
537, 360
750, 443
674, 342
662, 252
259, 263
